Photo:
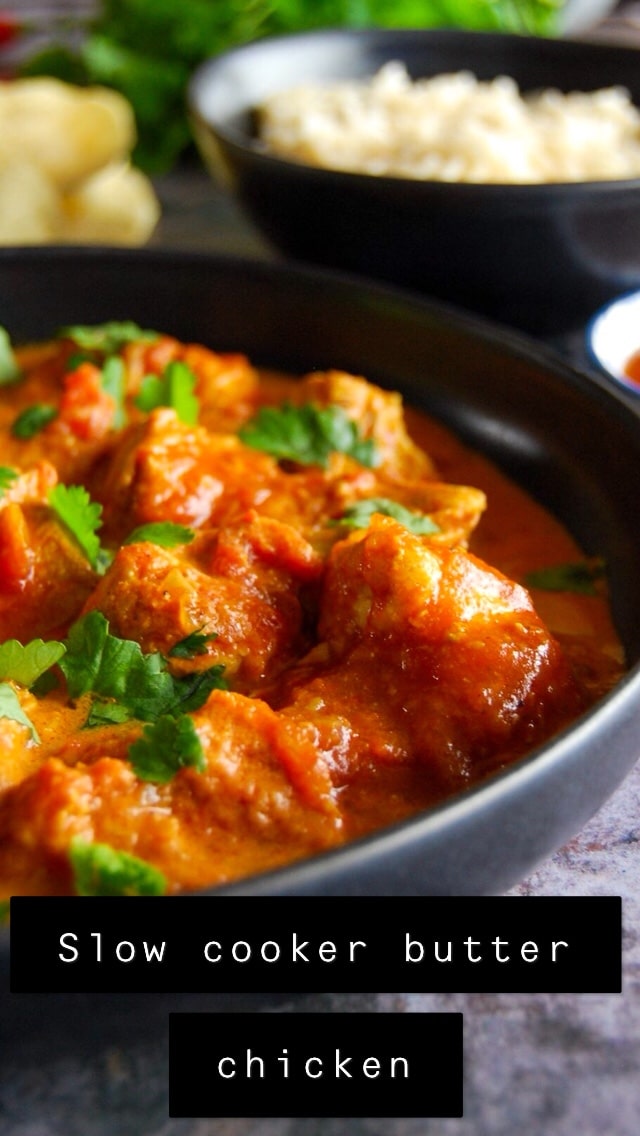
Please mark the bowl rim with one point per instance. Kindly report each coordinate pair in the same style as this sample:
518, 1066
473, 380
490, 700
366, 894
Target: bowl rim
240, 141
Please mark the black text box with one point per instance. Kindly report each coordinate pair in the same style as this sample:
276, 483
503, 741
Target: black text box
315, 1065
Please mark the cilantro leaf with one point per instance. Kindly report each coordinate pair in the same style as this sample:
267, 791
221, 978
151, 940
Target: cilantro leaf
99, 869
4, 911
165, 747
109, 667
32, 420
174, 388
25, 664
77, 359
359, 514
103, 713
192, 690
192, 645
7, 478
109, 337
9, 369
165, 533
579, 578
307, 434
81, 516
117, 669
113, 380
10, 708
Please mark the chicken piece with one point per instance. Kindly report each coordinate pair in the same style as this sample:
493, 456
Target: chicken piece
52, 719
379, 416
241, 586
226, 386
427, 655
164, 470
455, 510
31, 487
44, 577
18, 752
263, 799
81, 430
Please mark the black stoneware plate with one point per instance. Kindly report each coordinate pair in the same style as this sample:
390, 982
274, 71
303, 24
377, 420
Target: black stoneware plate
571, 440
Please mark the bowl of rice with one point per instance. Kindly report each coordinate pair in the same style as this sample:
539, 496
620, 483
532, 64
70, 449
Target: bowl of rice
500, 173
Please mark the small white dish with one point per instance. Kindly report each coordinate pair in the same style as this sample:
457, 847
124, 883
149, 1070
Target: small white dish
613, 336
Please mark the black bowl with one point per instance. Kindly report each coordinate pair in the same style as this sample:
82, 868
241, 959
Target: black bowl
540, 257
574, 442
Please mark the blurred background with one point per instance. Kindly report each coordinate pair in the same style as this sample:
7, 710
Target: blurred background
146, 49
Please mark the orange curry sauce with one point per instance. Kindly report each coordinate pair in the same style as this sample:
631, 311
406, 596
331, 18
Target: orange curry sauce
632, 368
368, 672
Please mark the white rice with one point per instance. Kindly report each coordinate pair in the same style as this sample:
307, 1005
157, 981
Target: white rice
455, 128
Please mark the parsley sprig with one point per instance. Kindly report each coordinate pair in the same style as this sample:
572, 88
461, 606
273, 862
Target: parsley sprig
10, 708
173, 388
99, 869
166, 746
107, 338
125, 682
113, 379
165, 533
82, 517
580, 577
307, 434
25, 664
359, 514
7, 478
9, 369
32, 420
193, 644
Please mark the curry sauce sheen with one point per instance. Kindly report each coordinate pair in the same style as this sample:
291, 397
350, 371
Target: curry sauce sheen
257, 665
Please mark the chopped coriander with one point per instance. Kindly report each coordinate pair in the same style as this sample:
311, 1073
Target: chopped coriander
26, 664
81, 516
113, 668
579, 577
174, 388
9, 369
77, 359
4, 911
45, 684
192, 645
10, 708
104, 560
307, 434
104, 713
7, 478
117, 670
114, 383
109, 337
359, 514
99, 869
32, 420
165, 747
165, 533
192, 690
